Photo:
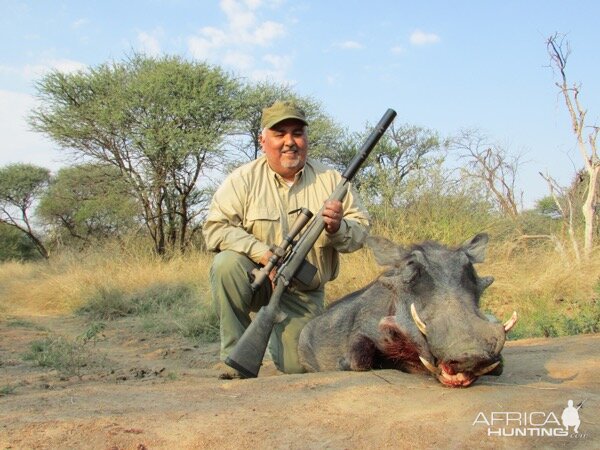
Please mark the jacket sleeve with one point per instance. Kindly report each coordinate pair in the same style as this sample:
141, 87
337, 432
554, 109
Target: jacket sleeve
224, 226
354, 227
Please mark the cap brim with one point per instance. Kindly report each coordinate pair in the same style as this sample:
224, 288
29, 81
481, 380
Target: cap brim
274, 122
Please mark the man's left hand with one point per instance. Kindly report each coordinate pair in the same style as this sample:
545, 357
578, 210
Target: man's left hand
333, 214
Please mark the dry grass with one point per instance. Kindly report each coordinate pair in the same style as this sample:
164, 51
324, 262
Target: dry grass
537, 283
64, 284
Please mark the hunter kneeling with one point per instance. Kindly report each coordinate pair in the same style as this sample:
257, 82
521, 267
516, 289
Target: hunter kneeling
253, 209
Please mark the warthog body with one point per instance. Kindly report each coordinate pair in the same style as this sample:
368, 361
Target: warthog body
445, 333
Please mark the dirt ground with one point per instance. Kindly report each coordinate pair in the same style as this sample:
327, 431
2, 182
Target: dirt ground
145, 392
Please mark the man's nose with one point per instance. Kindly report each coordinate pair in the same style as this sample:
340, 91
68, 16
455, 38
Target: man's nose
288, 139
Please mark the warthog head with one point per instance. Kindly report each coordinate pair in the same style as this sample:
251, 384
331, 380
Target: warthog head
437, 310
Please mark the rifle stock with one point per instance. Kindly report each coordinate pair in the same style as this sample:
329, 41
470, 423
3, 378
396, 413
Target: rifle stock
247, 355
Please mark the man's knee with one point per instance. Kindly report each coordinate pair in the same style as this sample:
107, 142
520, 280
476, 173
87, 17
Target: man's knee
227, 264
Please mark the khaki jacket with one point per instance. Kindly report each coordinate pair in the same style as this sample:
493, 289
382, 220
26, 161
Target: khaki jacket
251, 211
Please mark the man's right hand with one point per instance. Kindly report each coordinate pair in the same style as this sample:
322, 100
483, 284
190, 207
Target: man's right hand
264, 261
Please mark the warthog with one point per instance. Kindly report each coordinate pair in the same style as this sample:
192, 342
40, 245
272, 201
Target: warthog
420, 316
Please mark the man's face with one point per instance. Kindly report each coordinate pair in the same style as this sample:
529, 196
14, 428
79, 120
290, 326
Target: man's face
285, 145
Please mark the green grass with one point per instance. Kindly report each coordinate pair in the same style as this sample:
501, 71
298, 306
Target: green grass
21, 323
7, 390
68, 357
164, 308
109, 303
553, 322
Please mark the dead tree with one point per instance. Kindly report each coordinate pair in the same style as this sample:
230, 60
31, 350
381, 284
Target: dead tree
564, 202
559, 51
492, 165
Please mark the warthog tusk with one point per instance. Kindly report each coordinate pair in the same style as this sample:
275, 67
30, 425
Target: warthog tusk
429, 366
487, 369
420, 325
510, 322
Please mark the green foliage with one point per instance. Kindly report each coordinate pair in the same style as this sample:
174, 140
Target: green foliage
434, 208
544, 321
546, 206
159, 121
323, 133
68, 357
7, 390
20, 185
405, 150
16, 245
89, 202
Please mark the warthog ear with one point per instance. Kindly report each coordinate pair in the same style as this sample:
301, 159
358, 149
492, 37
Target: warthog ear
385, 251
475, 247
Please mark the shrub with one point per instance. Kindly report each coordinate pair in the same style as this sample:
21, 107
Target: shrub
165, 308
67, 357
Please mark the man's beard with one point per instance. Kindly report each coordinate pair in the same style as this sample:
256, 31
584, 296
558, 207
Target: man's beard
291, 160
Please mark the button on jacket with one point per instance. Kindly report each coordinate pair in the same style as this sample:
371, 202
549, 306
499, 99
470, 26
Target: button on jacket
251, 211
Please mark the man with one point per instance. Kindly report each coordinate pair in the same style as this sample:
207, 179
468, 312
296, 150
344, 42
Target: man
252, 210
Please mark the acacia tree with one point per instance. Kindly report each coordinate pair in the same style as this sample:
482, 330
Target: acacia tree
559, 52
89, 202
20, 186
403, 150
15, 244
160, 121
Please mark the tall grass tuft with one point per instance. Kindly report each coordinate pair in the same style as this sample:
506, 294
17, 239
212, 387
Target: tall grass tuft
164, 308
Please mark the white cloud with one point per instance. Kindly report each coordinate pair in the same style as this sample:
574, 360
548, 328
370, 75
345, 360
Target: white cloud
242, 27
32, 71
331, 80
150, 42
397, 49
80, 23
419, 37
236, 42
238, 18
19, 143
267, 32
274, 69
278, 62
238, 60
350, 45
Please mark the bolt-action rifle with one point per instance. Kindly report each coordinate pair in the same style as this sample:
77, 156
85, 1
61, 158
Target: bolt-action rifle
289, 261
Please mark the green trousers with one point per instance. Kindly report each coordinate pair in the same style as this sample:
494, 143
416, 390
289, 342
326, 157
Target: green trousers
234, 300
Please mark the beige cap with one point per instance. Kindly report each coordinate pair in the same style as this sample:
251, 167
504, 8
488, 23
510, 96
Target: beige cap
281, 110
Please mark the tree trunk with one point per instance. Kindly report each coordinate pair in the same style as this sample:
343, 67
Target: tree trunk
589, 209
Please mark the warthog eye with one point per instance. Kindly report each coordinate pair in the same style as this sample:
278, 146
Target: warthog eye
411, 272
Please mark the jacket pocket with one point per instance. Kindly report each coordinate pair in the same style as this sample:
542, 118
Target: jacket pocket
264, 223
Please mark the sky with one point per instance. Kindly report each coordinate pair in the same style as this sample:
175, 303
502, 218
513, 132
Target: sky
441, 65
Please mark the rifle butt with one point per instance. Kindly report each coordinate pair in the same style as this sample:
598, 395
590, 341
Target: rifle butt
247, 355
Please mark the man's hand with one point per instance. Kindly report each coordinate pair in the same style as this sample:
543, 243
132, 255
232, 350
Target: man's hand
333, 214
